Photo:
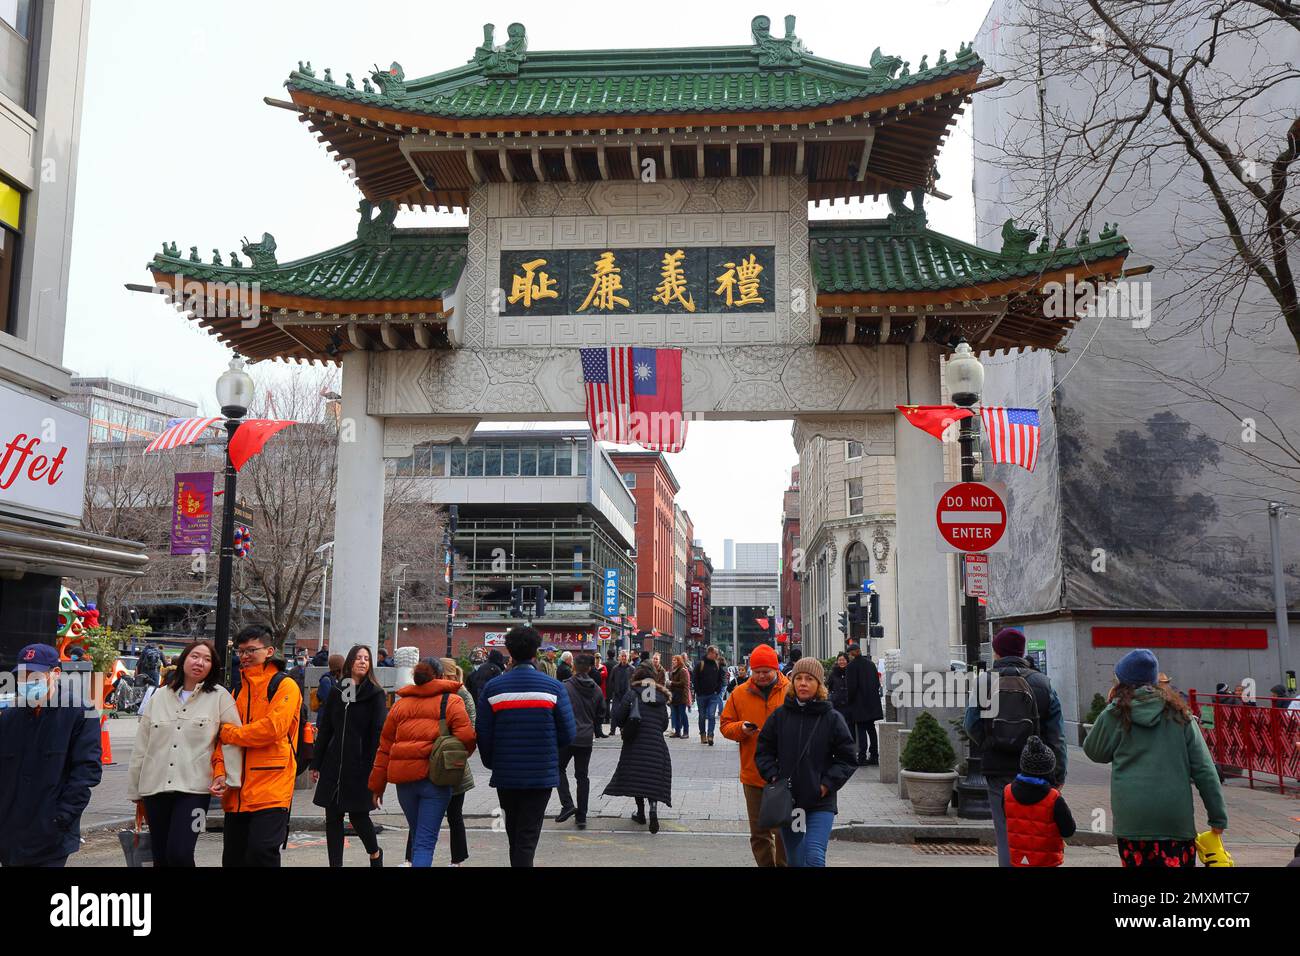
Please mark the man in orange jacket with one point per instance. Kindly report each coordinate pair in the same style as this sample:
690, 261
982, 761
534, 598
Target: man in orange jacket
257, 813
747, 710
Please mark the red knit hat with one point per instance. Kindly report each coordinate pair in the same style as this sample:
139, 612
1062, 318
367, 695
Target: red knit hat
763, 656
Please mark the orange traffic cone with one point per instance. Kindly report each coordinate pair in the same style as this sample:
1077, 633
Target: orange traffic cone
104, 743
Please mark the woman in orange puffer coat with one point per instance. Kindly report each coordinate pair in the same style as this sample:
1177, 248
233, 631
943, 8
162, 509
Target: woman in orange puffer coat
403, 757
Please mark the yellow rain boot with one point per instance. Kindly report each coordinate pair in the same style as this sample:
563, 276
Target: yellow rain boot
1211, 851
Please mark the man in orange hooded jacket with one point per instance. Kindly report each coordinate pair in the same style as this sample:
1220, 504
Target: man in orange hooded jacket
257, 813
747, 710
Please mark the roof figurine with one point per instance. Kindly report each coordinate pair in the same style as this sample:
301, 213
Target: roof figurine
194, 254
376, 223
787, 51
886, 66
390, 81
234, 262
502, 60
365, 85
902, 218
260, 254
350, 84
216, 258
305, 68
1015, 242
328, 78
1109, 230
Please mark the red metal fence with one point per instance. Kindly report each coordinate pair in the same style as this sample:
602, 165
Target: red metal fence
1262, 737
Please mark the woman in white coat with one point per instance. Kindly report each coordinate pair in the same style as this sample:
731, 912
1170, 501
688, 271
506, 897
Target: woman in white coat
178, 762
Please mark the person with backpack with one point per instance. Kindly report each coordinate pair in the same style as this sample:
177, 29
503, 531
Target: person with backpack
645, 768
1026, 706
328, 681
348, 728
273, 735
807, 743
1038, 818
524, 721
178, 764
588, 705
149, 664
710, 679
1157, 754
427, 713
864, 708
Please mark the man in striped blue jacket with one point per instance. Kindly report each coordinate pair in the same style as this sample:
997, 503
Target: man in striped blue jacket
524, 721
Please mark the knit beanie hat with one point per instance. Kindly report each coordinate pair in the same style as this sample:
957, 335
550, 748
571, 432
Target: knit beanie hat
1037, 759
763, 656
1137, 668
809, 665
1009, 642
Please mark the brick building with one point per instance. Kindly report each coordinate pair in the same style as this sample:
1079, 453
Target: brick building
654, 488
791, 564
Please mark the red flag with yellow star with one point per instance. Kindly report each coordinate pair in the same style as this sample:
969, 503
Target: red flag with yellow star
934, 419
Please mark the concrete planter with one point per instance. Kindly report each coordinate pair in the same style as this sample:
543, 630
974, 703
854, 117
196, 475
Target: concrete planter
930, 793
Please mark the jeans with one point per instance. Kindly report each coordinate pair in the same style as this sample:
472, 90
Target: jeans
524, 811
581, 757
456, 824
809, 847
172, 826
999, 820
681, 720
424, 805
334, 834
254, 839
710, 704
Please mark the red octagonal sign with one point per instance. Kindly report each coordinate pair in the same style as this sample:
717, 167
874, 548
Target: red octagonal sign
971, 517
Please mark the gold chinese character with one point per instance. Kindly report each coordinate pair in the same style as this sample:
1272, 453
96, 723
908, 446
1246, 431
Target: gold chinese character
673, 285
742, 277
524, 287
607, 281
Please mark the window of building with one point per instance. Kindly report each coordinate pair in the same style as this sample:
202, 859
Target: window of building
15, 52
564, 458
423, 459
629, 479
492, 460
510, 460
852, 449
458, 461
857, 568
546, 460
528, 461
474, 461
437, 461
580, 452
98, 433
854, 491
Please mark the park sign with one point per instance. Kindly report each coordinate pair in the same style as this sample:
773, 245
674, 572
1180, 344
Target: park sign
42, 458
971, 516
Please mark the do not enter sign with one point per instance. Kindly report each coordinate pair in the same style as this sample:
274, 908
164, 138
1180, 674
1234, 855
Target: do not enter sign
971, 516
604, 632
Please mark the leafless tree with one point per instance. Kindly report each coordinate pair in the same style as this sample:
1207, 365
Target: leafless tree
1187, 99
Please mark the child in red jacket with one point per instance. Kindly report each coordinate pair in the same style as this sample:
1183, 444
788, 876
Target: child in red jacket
1038, 819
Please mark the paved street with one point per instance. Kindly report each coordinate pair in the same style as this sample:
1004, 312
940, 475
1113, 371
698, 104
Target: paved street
709, 806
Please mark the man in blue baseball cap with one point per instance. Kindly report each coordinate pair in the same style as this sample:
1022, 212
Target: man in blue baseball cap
51, 755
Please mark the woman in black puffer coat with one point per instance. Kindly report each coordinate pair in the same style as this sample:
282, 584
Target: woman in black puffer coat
347, 737
837, 687
806, 741
645, 769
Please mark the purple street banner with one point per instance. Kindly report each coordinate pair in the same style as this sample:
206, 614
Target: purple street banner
192, 513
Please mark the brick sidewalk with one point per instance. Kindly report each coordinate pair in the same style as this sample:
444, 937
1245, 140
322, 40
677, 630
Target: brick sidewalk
707, 796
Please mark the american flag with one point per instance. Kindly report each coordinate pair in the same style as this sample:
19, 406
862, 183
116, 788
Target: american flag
1013, 435
180, 431
634, 395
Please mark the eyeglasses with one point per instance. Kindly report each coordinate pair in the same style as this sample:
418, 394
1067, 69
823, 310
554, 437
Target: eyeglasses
249, 651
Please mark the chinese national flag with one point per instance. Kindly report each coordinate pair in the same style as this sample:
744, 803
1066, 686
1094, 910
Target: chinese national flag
251, 436
934, 419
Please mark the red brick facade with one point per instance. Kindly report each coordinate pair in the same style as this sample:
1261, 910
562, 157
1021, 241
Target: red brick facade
655, 490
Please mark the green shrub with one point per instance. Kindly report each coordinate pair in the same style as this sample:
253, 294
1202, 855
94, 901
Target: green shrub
928, 748
1098, 705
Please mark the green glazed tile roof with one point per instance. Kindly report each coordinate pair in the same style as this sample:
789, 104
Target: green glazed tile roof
870, 255
720, 79
412, 264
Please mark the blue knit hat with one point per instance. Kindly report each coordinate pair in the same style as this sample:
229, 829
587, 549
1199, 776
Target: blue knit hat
1137, 668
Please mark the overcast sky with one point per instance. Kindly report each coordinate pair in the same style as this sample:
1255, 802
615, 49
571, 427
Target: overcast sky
177, 145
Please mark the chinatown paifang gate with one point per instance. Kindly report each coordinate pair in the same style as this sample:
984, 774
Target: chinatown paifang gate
689, 171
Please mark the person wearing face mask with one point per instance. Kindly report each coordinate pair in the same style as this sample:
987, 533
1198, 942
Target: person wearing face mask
177, 762
747, 710
50, 754
807, 742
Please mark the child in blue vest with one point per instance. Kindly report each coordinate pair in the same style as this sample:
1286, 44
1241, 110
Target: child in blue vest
1038, 819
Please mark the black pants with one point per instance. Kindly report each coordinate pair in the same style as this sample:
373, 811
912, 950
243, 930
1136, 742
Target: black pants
864, 731
581, 757
334, 833
254, 839
175, 822
456, 824
524, 811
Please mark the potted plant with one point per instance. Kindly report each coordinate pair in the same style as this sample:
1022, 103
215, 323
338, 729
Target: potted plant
1090, 718
927, 761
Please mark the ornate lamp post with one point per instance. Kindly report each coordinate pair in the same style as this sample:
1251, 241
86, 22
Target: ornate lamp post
234, 395
965, 379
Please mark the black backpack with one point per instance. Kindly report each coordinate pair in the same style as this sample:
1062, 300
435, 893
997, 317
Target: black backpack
304, 748
1017, 717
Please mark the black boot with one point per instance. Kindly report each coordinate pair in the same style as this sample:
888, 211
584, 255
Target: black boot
378, 861
654, 820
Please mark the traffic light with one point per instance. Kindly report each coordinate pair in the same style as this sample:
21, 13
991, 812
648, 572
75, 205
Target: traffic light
844, 623
855, 608
517, 602
873, 609
540, 609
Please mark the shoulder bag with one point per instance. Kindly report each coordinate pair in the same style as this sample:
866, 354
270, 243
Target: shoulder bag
777, 807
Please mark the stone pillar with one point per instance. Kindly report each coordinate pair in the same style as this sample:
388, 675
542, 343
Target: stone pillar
921, 569
359, 514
